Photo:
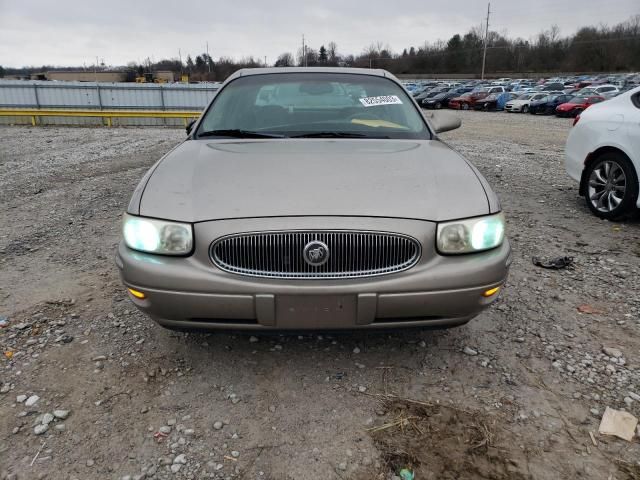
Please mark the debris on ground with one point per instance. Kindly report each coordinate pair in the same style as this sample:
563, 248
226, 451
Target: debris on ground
406, 474
427, 435
556, 263
618, 423
588, 309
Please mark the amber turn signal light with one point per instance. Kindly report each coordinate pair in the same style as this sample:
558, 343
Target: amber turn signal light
137, 294
491, 292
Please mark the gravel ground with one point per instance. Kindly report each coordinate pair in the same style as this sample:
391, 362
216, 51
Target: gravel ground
90, 388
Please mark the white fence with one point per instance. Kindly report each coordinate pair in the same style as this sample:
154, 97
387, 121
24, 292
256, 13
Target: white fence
102, 95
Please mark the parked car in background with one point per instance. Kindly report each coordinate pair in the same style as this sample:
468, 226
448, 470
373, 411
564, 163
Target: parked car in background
431, 94
603, 154
418, 90
576, 106
496, 89
442, 99
607, 91
553, 86
438, 101
521, 104
548, 104
571, 90
495, 101
522, 87
467, 100
265, 218
421, 96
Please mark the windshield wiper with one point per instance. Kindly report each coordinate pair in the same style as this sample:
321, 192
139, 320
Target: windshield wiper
239, 133
333, 135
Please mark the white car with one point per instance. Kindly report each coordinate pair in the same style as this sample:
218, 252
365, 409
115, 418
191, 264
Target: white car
603, 155
607, 91
521, 104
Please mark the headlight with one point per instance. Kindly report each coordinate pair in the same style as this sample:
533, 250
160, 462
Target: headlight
471, 235
157, 236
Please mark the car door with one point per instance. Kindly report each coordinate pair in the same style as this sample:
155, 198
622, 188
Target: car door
592, 100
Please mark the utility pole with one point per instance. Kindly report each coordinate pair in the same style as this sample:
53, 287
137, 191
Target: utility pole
95, 69
208, 61
304, 52
265, 60
486, 39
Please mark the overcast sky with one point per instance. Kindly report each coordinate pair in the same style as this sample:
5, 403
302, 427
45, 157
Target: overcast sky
74, 32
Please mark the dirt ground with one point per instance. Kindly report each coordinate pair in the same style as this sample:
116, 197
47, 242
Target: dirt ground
512, 395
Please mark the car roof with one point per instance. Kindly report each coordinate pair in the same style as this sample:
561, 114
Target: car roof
354, 71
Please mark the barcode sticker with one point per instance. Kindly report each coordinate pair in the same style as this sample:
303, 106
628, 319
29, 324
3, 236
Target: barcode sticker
383, 100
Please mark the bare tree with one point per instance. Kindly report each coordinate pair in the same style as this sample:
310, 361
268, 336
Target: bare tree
332, 49
285, 60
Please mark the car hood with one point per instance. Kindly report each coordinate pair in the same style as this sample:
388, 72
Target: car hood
568, 106
518, 102
211, 180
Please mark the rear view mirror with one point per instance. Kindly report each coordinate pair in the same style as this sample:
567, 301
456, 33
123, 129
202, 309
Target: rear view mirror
444, 121
189, 126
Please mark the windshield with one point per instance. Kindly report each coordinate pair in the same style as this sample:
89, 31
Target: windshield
577, 100
526, 96
313, 104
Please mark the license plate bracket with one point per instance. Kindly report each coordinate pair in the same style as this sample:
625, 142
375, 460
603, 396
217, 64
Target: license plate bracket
315, 311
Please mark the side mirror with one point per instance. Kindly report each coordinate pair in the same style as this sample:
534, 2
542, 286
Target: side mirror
189, 126
444, 121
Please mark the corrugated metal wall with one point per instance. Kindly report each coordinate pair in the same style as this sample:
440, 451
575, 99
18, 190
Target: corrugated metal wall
126, 96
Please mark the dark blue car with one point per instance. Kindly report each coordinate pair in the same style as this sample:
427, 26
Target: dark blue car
441, 100
548, 104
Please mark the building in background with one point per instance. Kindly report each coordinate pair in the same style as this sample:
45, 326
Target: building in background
87, 76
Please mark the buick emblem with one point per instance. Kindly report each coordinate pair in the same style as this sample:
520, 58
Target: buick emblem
316, 253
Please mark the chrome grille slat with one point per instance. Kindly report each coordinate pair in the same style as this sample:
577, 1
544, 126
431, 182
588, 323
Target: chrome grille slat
351, 254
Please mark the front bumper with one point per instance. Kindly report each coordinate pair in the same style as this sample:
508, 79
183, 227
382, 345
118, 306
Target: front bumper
192, 293
565, 113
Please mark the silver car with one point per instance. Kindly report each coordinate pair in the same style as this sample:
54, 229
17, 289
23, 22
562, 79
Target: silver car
313, 198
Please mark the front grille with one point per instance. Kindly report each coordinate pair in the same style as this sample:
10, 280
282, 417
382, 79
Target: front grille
282, 254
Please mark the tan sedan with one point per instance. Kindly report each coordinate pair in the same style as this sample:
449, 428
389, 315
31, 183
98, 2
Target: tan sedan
313, 198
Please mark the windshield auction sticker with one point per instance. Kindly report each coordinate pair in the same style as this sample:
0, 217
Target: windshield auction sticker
383, 100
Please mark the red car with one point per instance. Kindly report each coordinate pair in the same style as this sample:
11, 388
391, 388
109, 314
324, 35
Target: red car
577, 105
467, 100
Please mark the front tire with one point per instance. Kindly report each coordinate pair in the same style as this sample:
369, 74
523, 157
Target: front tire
464, 106
525, 109
438, 105
611, 186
